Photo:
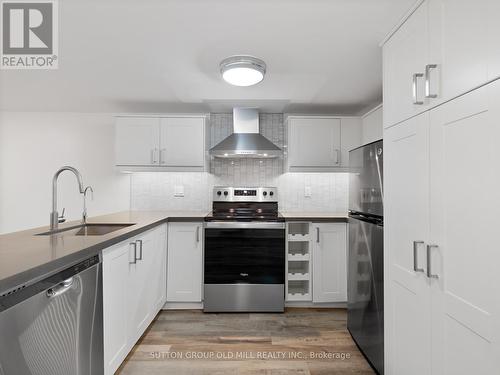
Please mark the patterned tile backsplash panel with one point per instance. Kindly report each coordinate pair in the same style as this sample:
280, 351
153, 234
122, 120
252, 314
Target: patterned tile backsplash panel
247, 172
156, 191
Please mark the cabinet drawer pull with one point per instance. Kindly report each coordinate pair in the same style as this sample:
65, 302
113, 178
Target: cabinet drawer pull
430, 275
415, 256
197, 234
317, 234
416, 76
428, 69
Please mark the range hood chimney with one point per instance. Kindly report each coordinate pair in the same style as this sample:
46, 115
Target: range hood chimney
246, 141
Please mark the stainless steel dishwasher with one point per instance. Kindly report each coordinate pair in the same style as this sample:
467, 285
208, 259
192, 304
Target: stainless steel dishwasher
54, 326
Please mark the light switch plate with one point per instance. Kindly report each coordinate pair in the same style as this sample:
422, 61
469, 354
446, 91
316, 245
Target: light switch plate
178, 190
307, 192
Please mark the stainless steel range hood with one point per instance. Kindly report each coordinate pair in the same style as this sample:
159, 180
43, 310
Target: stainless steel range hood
246, 141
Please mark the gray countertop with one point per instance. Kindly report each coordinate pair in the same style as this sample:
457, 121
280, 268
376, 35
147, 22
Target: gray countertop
26, 257
315, 216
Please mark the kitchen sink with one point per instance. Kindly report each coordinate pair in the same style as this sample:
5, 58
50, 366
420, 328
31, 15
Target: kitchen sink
88, 230
99, 229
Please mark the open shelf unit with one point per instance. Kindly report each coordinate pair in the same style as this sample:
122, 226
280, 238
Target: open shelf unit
298, 282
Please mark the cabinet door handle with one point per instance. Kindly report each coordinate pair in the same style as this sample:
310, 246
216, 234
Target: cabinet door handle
428, 69
162, 159
197, 234
416, 76
140, 249
430, 275
317, 234
134, 244
154, 153
415, 256
337, 156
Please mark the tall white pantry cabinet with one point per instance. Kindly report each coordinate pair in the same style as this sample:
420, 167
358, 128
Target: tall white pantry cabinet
442, 176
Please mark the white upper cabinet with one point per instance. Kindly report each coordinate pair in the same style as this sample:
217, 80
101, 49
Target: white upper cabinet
185, 262
329, 262
493, 39
321, 143
137, 141
161, 143
405, 57
458, 47
444, 49
351, 136
182, 141
314, 142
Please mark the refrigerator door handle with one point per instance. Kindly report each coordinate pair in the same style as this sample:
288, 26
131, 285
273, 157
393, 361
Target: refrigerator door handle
415, 256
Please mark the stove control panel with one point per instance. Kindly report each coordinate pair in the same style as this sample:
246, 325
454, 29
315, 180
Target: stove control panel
243, 194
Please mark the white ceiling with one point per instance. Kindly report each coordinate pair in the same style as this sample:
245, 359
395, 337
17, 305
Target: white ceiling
163, 55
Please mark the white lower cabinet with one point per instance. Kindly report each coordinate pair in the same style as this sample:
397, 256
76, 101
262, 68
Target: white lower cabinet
329, 273
143, 281
115, 295
441, 198
185, 262
158, 275
133, 291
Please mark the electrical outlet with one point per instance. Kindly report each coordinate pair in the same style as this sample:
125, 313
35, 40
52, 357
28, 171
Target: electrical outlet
307, 192
178, 190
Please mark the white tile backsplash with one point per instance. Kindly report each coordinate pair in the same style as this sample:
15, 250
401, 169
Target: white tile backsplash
156, 191
329, 192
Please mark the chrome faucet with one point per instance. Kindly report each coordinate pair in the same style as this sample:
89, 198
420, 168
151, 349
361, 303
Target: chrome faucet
54, 216
84, 216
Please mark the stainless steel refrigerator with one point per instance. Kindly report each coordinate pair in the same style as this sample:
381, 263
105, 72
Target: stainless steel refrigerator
365, 286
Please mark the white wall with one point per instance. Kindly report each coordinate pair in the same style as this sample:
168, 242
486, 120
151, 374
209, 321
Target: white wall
373, 125
34, 145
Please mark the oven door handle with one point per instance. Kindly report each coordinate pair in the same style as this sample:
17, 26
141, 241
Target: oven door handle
243, 225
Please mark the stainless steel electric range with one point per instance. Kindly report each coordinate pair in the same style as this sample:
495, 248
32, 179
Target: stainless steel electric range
244, 252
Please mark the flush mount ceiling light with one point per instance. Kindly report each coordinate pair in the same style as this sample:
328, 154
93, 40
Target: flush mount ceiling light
243, 70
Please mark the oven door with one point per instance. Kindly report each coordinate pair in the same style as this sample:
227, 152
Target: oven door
244, 253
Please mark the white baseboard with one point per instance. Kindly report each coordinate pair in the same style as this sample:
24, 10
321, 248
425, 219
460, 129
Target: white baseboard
304, 304
183, 306
308, 304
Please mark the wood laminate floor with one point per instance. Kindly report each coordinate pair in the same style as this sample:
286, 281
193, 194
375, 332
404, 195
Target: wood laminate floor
301, 341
